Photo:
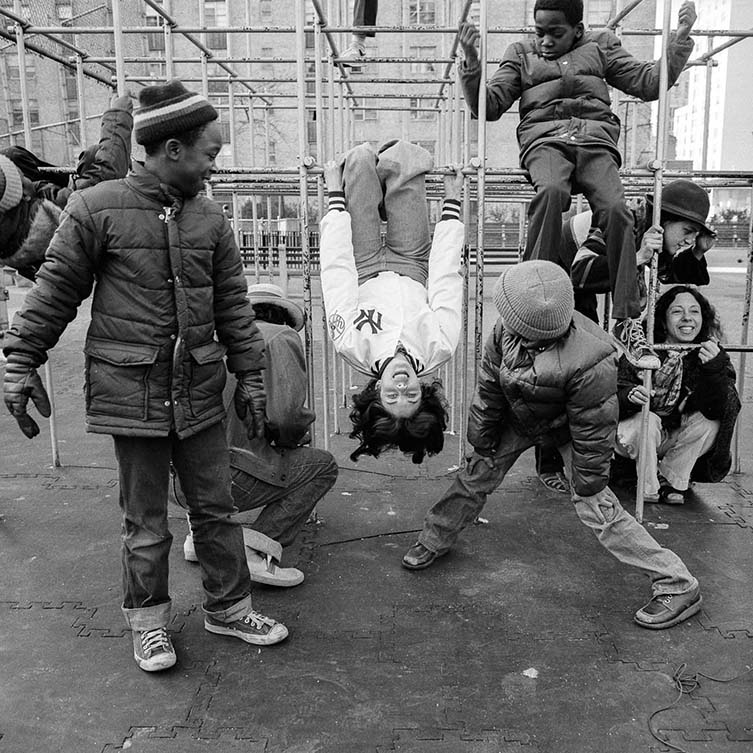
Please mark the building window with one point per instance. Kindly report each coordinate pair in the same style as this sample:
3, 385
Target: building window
424, 113
64, 9
71, 85
421, 52
215, 86
215, 14
422, 12
364, 113
266, 65
265, 10
272, 153
154, 42
599, 12
430, 146
17, 114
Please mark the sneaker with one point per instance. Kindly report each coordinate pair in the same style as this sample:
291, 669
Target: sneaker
419, 557
665, 610
352, 56
631, 342
263, 569
153, 650
253, 628
189, 551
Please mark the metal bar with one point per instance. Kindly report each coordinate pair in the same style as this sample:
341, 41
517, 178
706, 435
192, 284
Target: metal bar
117, 35
661, 138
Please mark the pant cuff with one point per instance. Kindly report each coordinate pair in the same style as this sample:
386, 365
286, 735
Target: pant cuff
148, 618
675, 588
231, 614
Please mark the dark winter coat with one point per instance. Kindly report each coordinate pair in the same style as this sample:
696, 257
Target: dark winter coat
555, 394
568, 98
168, 279
708, 388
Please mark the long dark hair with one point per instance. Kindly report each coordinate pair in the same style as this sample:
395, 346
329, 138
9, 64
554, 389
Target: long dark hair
418, 435
710, 324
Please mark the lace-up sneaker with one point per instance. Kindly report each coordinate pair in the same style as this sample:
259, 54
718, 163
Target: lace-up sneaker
665, 610
253, 628
153, 649
631, 340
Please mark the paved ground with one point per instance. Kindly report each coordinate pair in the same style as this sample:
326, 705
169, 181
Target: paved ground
521, 640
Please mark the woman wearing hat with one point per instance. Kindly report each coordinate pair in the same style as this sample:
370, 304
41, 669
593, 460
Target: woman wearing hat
393, 307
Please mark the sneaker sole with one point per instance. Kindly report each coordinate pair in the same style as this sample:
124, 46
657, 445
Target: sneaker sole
268, 579
274, 636
148, 666
689, 611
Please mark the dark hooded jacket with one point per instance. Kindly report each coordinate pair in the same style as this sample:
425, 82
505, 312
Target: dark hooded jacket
167, 278
562, 392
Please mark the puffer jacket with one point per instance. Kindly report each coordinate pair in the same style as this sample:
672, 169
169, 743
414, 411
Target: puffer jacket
567, 99
562, 392
168, 278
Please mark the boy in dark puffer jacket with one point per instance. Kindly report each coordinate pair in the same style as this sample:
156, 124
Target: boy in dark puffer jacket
549, 377
568, 135
169, 305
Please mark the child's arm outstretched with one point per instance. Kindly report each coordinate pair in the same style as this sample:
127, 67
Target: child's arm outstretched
641, 78
502, 89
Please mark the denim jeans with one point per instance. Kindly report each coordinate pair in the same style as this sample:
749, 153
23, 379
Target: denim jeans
555, 170
201, 462
389, 185
365, 14
616, 530
309, 475
669, 452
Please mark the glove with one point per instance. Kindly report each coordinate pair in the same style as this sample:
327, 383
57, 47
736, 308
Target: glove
251, 400
21, 383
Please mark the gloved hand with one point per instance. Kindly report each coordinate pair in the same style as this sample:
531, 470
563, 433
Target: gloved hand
251, 400
21, 383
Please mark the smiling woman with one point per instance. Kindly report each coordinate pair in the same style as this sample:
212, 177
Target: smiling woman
693, 405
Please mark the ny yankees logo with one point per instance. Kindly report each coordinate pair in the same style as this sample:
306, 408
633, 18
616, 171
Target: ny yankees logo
372, 317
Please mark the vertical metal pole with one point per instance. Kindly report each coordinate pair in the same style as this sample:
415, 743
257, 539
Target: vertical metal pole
744, 340
266, 162
479, 343
80, 91
169, 52
320, 150
304, 163
661, 139
707, 110
117, 28
254, 213
464, 398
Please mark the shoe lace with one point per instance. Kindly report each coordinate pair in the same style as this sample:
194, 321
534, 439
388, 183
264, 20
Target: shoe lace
257, 620
634, 335
155, 640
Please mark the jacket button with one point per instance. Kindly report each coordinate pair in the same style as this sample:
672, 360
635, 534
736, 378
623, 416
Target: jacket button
170, 280
167, 403
173, 336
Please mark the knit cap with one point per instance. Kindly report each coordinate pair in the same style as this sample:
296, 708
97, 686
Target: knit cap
535, 300
11, 186
169, 109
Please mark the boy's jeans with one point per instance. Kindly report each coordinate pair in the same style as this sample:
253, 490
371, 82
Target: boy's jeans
309, 474
617, 531
556, 169
389, 185
672, 453
202, 464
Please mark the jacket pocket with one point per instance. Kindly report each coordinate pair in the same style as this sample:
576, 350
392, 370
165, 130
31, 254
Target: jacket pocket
207, 376
117, 378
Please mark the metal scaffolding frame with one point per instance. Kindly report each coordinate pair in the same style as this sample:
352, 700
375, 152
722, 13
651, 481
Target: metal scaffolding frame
336, 98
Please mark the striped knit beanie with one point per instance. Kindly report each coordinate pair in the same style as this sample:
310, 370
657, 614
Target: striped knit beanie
535, 300
11, 187
167, 110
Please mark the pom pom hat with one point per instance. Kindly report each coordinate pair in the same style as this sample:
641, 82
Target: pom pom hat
167, 110
11, 186
535, 300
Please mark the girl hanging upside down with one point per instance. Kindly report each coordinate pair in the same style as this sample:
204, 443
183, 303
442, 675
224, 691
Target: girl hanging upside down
393, 308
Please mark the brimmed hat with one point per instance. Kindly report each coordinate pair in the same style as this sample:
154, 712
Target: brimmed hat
267, 292
169, 109
535, 300
11, 185
685, 199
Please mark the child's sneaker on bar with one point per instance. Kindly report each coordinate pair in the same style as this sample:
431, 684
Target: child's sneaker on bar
253, 628
352, 56
631, 341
